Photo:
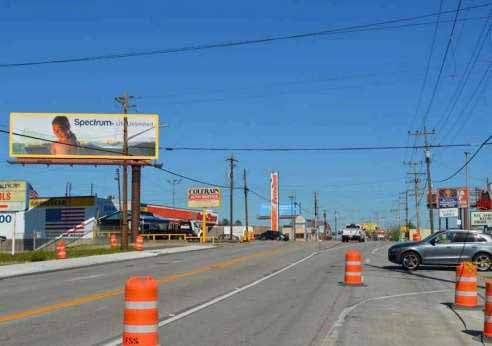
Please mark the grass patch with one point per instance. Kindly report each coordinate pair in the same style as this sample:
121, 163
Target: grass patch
44, 255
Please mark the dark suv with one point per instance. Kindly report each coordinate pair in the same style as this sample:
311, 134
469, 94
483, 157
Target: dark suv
272, 235
445, 248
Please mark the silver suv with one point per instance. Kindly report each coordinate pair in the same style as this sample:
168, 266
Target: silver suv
445, 248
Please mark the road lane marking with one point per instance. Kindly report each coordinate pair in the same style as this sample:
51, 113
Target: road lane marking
117, 341
332, 334
115, 292
80, 278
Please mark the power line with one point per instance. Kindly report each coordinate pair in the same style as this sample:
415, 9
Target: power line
348, 29
443, 63
468, 161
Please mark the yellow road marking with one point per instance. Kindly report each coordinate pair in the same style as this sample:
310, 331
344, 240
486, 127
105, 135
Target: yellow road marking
112, 293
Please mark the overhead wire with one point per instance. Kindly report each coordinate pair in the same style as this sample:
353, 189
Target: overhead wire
267, 39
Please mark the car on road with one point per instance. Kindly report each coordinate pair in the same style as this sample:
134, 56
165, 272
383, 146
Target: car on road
353, 232
445, 248
273, 235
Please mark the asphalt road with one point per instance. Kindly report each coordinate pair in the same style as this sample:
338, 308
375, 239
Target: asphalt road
264, 293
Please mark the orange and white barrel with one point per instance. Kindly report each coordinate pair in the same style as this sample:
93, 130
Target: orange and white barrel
141, 316
113, 241
466, 285
353, 268
487, 323
139, 243
60, 250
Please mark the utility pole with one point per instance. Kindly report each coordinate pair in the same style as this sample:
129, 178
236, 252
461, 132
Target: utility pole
173, 183
466, 210
427, 153
325, 223
416, 182
406, 208
316, 214
293, 217
124, 101
231, 160
246, 221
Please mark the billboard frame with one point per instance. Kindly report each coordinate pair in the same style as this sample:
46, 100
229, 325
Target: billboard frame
12, 133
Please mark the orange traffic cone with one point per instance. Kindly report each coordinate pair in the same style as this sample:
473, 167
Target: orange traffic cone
487, 323
60, 250
466, 296
416, 236
141, 317
139, 243
113, 241
353, 268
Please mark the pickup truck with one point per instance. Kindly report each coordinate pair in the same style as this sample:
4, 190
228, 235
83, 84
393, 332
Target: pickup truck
353, 232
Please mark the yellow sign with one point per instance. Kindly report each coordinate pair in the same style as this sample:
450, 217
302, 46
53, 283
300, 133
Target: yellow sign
83, 136
13, 195
204, 197
62, 202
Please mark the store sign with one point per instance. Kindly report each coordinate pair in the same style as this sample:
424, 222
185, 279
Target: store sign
448, 212
57, 202
83, 136
204, 197
481, 218
14, 195
448, 198
274, 213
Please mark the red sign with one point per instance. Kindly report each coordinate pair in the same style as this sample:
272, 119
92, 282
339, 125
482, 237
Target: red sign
463, 197
274, 200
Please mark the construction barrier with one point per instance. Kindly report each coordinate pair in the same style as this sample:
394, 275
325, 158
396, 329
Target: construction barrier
60, 250
466, 286
353, 268
487, 323
113, 241
141, 316
139, 243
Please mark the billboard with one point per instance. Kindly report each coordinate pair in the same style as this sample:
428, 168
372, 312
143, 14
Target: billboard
448, 198
285, 211
204, 197
448, 212
274, 201
463, 197
83, 136
481, 218
14, 195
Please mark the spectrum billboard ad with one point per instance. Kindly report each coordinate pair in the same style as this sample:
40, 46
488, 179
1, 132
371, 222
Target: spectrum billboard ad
285, 211
83, 135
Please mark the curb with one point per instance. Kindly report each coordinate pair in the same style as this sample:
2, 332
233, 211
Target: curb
149, 254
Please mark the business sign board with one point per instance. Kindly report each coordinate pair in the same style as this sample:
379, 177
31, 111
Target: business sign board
463, 197
448, 198
14, 195
274, 215
204, 197
448, 212
285, 211
83, 136
59, 202
481, 218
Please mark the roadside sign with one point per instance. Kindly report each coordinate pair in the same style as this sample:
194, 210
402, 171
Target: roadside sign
14, 195
481, 218
204, 197
448, 198
448, 212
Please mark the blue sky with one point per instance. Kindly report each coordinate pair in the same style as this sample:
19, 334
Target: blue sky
357, 89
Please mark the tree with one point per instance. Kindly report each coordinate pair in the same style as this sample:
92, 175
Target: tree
238, 223
225, 222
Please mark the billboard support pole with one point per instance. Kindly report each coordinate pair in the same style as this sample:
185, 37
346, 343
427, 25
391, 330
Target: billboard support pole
204, 225
231, 200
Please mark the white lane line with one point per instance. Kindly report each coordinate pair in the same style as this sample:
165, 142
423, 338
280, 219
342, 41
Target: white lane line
332, 334
117, 341
80, 278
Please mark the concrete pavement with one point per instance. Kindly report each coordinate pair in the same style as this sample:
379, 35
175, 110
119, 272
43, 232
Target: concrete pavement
264, 293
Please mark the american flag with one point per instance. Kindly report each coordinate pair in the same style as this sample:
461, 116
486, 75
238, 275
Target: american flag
61, 220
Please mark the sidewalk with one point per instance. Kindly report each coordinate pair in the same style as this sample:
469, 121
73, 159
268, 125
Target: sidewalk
12, 270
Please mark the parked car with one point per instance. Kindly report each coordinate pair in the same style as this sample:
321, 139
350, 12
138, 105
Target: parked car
272, 235
445, 248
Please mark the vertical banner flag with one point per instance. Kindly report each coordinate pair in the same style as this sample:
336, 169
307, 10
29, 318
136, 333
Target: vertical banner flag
274, 200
